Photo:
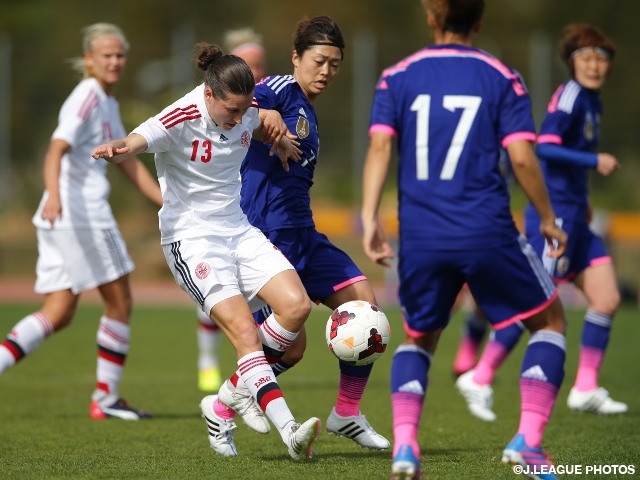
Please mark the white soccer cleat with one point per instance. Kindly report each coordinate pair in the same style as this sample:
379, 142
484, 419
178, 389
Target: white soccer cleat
301, 437
595, 401
221, 431
357, 429
479, 397
241, 400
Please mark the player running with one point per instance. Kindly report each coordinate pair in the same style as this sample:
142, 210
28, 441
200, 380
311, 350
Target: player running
567, 146
79, 244
451, 107
227, 266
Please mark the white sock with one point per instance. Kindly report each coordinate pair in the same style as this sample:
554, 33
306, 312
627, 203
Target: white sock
257, 375
113, 346
208, 340
24, 338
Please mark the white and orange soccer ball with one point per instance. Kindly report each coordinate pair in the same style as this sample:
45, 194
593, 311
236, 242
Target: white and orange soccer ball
358, 332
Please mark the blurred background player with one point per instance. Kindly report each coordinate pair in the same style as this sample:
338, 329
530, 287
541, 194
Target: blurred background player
79, 244
278, 203
246, 44
228, 267
567, 146
451, 106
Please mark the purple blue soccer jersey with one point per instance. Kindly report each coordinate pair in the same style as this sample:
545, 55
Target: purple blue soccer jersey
572, 123
450, 125
452, 110
271, 197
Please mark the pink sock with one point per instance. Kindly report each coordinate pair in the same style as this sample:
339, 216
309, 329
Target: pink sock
537, 401
223, 411
349, 395
492, 357
407, 409
589, 365
466, 356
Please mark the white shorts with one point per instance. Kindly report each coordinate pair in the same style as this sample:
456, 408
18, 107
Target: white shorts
80, 259
213, 268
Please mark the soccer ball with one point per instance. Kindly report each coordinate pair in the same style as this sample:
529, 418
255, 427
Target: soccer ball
358, 332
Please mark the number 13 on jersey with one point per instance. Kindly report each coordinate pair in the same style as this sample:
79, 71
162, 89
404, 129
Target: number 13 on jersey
422, 105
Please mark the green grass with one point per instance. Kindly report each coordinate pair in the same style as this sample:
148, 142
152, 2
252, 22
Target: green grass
46, 432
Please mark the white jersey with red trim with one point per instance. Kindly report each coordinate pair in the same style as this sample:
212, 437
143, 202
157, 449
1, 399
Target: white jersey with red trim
89, 117
198, 166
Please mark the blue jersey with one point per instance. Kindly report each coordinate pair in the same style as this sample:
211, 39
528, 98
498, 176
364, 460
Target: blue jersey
572, 121
271, 197
452, 108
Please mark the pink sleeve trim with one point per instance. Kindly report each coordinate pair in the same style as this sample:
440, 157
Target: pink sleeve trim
550, 138
601, 261
528, 136
381, 128
525, 315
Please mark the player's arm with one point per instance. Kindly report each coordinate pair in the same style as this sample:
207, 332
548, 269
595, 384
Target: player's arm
117, 151
137, 173
272, 130
529, 175
604, 163
52, 209
376, 168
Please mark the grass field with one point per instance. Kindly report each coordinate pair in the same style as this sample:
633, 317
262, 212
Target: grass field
46, 432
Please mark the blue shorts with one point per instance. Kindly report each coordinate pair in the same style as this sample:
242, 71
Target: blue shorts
584, 249
322, 267
508, 283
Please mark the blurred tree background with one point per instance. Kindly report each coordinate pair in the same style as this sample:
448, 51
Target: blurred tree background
38, 36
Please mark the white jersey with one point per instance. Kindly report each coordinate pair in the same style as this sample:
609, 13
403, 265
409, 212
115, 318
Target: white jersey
198, 165
89, 117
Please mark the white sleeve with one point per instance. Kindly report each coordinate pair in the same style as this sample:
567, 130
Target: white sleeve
157, 136
76, 115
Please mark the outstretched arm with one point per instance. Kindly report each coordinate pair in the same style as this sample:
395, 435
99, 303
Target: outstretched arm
117, 151
529, 175
376, 168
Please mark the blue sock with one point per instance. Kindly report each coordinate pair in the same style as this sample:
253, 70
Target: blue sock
409, 369
508, 337
596, 330
362, 371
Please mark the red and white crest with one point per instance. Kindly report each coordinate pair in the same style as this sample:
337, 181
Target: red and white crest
245, 139
202, 270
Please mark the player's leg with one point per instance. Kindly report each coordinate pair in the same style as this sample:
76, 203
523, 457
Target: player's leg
511, 284
55, 282
113, 347
27, 335
541, 376
598, 282
475, 385
209, 334
429, 285
345, 418
473, 333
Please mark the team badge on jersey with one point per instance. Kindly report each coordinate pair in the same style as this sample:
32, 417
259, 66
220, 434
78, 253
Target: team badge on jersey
589, 127
202, 270
245, 139
302, 128
562, 267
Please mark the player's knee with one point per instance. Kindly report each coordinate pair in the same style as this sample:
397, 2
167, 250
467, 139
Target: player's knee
607, 305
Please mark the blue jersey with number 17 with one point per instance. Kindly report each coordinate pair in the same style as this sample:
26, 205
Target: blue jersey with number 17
451, 108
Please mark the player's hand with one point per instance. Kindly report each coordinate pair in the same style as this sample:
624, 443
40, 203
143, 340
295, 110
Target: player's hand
607, 164
109, 150
288, 151
274, 129
556, 239
375, 245
51, 210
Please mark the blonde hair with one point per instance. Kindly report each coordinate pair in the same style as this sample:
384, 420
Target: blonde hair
89, 34
242, 36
